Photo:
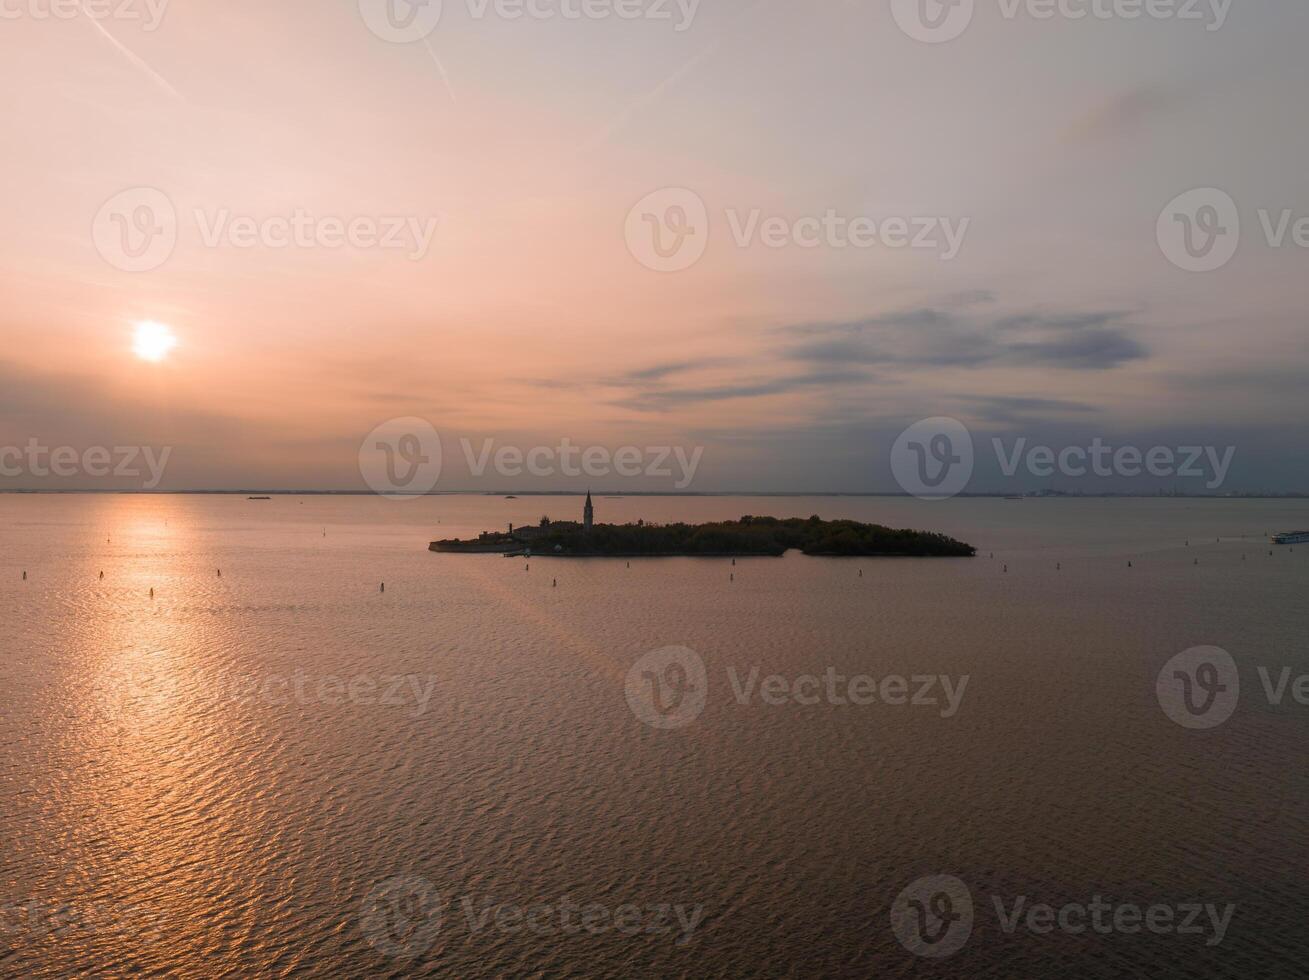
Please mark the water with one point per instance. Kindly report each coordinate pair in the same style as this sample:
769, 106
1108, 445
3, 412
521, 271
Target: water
287, 771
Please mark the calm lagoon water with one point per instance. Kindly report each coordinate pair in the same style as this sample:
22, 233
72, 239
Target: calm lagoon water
286, 771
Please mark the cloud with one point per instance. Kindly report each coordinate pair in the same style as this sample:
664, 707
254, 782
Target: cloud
1125, 114
934, 337
660, 371
840, 362
1015, 409
668, 398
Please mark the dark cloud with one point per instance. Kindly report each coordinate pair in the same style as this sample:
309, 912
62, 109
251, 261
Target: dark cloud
839, 359
1013, 409
1127, 113
666, 398
660, 371
934, 337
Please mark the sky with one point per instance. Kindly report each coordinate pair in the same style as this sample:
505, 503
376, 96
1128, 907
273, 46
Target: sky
770, 234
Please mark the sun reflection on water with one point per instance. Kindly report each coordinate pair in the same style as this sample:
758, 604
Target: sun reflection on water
153, 742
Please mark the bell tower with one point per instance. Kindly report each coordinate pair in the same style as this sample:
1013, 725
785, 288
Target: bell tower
588, 513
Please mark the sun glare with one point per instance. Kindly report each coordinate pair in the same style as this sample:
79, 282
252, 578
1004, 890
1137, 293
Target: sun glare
153, 341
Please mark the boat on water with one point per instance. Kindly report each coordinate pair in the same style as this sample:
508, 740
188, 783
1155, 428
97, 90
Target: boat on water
1291, 537
258, 498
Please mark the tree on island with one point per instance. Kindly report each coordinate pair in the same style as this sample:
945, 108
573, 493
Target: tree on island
756, 536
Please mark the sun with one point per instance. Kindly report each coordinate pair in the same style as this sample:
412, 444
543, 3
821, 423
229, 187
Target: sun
153, 341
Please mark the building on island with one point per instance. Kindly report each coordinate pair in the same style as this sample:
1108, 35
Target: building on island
529, 532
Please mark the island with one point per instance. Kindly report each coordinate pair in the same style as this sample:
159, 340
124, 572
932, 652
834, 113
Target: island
746, 538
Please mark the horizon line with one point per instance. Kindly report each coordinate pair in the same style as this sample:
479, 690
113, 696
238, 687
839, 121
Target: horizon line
1026, 495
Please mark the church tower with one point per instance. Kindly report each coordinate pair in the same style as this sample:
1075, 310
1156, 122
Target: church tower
588, 513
